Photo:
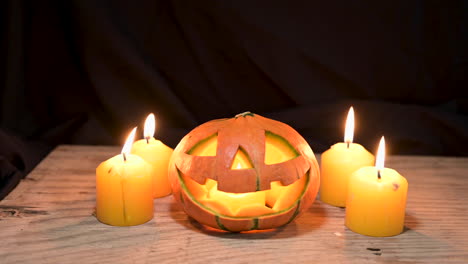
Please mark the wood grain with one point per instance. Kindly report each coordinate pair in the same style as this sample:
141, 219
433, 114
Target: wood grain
49, 218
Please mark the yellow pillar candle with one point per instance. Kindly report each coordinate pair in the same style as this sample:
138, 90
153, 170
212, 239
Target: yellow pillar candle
337, 164
157, 154
124, 194
376, 199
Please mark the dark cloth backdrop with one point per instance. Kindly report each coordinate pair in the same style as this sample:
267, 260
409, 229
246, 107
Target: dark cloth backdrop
86, 72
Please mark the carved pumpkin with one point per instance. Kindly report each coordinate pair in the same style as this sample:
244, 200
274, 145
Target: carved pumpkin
244, 173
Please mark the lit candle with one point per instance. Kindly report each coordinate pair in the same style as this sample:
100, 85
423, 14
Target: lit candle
337, 164
124, 193
157, 154
376, 199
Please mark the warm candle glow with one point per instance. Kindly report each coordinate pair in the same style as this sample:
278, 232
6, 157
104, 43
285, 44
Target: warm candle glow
349, 130
157, 154
379, 161
150, 127
376, 199
339, 162
124, 188
128, 144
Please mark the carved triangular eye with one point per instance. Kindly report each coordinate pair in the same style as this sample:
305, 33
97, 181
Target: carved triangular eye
241, 160
206, 147
278, 149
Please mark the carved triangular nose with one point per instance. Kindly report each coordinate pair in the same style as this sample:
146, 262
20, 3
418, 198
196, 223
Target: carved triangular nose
241, 160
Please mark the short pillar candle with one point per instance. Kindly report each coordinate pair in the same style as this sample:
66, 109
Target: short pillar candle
376, 199
124, 193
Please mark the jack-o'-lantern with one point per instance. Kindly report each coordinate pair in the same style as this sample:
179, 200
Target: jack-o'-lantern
244, 173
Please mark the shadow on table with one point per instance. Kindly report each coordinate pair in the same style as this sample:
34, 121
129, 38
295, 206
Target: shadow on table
411, 222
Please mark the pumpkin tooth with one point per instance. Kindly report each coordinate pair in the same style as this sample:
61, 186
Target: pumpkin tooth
273, 194
211, 184
289, 194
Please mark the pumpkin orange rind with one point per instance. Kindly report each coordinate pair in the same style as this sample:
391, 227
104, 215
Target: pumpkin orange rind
218, 168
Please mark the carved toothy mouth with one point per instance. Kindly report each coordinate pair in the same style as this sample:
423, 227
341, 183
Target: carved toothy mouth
251, 204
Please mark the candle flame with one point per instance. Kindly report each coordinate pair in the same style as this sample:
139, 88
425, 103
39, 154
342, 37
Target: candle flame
150, 126
349, 130
128, 144
379, 161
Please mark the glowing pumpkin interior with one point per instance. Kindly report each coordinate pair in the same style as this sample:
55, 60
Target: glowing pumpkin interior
274, 200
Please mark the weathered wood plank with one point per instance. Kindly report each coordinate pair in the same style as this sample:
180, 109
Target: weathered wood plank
49, 218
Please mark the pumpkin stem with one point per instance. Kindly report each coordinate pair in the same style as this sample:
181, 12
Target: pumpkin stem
247, 113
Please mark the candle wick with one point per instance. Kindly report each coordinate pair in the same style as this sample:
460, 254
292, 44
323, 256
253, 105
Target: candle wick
347, 144
124, 156
378, 175
147, 140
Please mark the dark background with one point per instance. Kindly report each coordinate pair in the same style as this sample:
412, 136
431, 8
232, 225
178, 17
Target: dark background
86, 72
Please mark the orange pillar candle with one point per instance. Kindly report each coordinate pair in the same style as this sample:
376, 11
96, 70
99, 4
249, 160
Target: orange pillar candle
157, 154
124, 194
376, 200
337, 164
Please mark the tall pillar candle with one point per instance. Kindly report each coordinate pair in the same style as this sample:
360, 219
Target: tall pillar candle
157, 154
337, 164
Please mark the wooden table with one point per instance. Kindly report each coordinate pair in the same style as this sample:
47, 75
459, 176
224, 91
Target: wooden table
49, 218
